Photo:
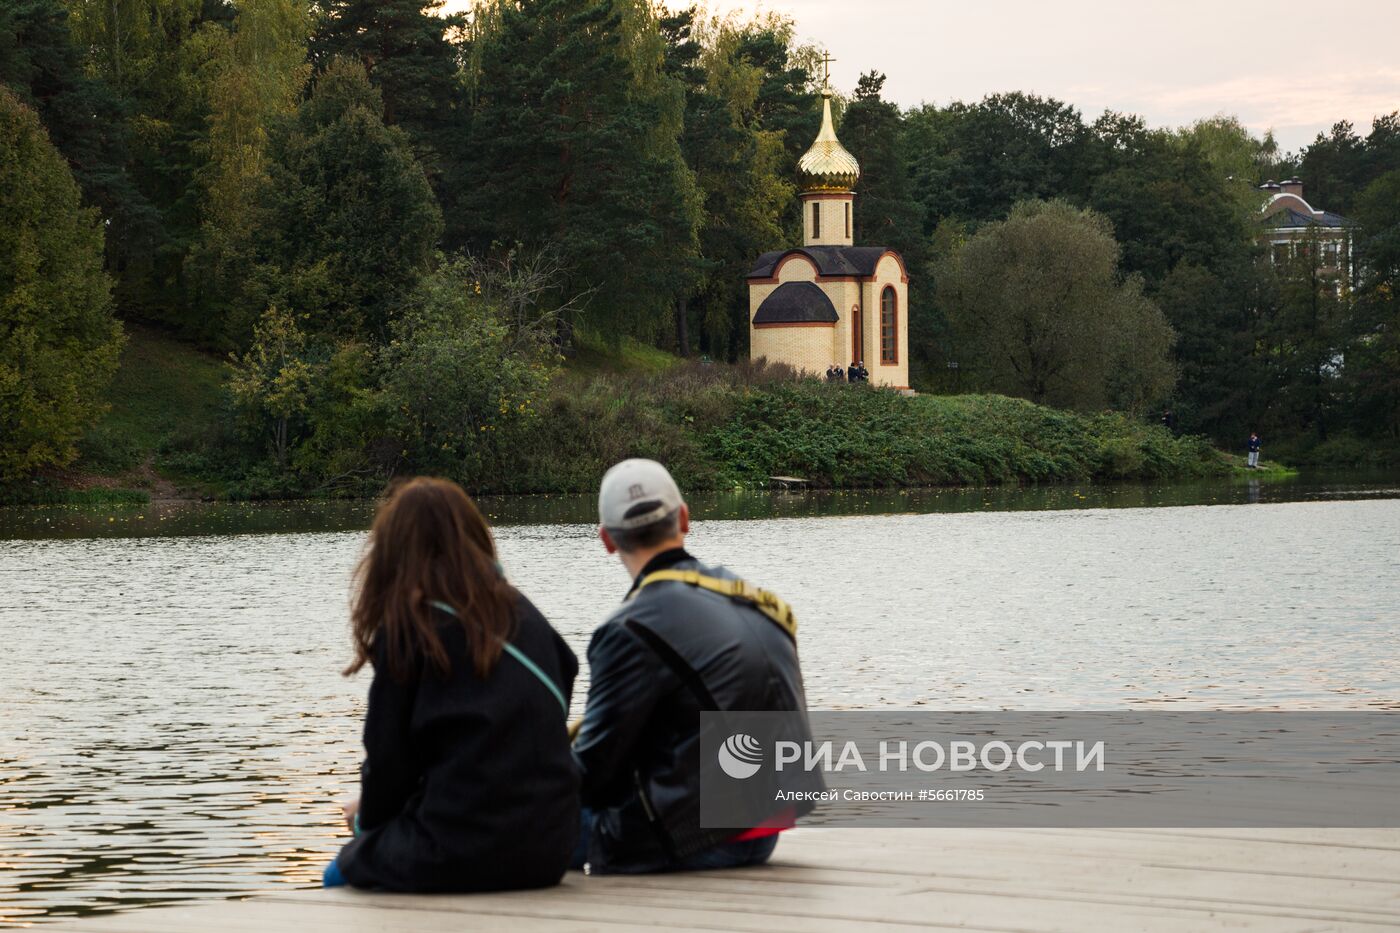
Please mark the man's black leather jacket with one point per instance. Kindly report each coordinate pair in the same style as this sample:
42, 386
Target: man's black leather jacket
638, 748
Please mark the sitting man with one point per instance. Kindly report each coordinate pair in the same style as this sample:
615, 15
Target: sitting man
673, 648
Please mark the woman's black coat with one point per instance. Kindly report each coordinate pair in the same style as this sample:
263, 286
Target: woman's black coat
468, 784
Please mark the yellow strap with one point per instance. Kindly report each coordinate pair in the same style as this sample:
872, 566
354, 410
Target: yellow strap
770, 604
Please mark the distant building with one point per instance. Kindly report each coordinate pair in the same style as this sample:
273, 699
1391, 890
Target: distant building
1290, 226
830, 301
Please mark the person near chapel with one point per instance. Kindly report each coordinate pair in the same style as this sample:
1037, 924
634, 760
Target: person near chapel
688, 637
1254, 444
853, 372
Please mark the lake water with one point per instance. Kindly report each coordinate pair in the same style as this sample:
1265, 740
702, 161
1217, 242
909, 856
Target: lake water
175, 725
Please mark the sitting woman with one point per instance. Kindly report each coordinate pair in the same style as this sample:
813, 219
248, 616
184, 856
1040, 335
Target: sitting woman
468, 783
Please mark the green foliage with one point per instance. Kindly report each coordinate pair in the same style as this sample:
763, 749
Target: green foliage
974, 161
739, 98
163, 388
1039, 311
886, 212
574, 142
148, 54
1222, 330
1338, 167
108, 452
43, 66
271, 382
460, 382
1168, 204
845, 436
58, 340
253, 77
347, 222
38, 492
1373, 363
405, 47
594, 355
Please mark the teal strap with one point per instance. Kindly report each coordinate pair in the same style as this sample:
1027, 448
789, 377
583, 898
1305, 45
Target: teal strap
534, 668
520, 656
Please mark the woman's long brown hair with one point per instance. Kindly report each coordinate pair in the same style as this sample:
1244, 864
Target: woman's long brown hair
429, 542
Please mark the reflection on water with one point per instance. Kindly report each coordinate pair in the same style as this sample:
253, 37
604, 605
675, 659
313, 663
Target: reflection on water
163, 519
175, 724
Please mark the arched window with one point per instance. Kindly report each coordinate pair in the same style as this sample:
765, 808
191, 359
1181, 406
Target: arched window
889, 326
816, 219
848, 220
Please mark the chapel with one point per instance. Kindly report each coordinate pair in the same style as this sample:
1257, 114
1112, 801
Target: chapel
829, 301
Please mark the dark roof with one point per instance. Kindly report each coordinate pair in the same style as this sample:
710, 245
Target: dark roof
829, 260
1288, 217
796, 303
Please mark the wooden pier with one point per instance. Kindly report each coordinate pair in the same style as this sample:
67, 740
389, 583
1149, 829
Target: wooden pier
1028, 881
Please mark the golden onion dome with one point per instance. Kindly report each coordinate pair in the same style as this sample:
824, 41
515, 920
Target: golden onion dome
827, 166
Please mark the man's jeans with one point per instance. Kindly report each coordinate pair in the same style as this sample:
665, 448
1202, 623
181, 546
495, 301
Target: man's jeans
1254, 458
727, 855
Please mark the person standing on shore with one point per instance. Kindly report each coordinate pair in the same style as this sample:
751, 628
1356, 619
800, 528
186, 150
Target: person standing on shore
468, 782
1254, 444
686, 638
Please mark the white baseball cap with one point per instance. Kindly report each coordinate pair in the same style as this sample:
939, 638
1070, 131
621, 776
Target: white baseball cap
636, 493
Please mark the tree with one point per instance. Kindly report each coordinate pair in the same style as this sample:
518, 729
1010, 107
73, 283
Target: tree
346, 222
149, 52
1223, 320
271, 383
404, 47
738, 168
1236, 157
1309, 339
573, 143
461, 375
255, 79
973, 161
1039, 311
1373, 369
886, 212
1169, 203
84, 117
59, 343
786, 101
1332, 167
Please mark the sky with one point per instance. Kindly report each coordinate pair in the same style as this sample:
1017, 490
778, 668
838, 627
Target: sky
1296, 67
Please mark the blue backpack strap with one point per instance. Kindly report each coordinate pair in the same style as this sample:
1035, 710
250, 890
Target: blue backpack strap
520, 656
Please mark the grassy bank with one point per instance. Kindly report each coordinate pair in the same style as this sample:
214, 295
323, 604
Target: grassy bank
169, 433
733, 427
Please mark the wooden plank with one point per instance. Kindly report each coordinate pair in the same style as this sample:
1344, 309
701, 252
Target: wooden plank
1010, 881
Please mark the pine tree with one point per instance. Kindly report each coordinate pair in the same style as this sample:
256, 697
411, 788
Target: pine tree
571, 146
886, 213
84, 117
